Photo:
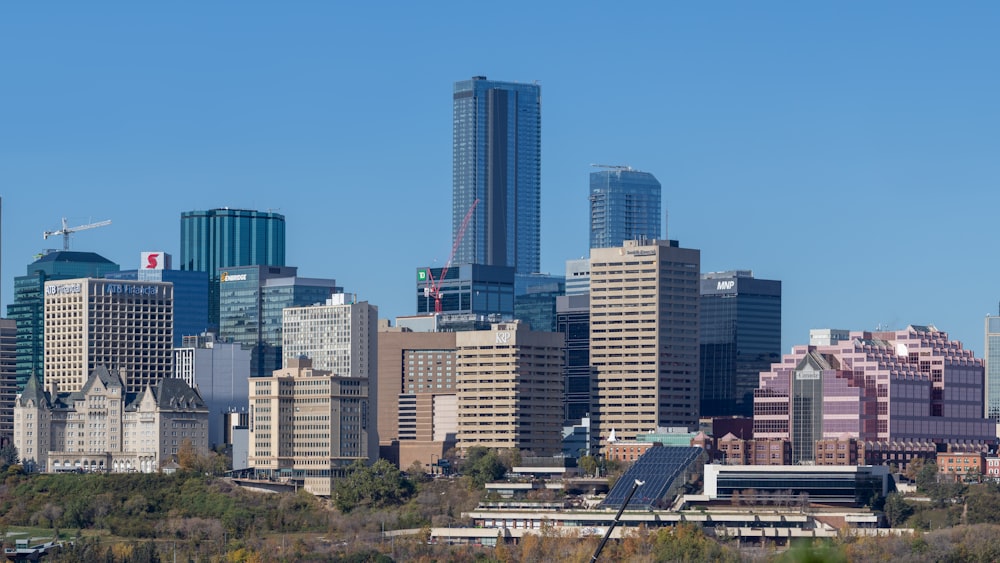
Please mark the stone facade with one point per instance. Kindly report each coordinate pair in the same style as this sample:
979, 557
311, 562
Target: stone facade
103, 428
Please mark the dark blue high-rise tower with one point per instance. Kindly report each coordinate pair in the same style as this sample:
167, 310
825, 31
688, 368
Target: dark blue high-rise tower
624, 205
497, 160
740, 337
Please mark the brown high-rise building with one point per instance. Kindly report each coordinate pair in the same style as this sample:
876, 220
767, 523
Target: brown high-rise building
416, 395
644, 307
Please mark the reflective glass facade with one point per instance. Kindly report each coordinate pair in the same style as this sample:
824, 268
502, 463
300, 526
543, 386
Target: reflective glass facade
538, 308
251, 301
806, 409
468, 289
573, 320
624, 205
497, 160
28, 308
992, 357
223, 238
740, 338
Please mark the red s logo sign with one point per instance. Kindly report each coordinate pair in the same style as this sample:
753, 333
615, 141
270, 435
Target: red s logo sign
151, 261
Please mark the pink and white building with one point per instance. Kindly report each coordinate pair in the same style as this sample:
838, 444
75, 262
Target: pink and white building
901, 394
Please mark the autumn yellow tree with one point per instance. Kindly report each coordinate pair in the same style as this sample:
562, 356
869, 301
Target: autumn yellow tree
187, 455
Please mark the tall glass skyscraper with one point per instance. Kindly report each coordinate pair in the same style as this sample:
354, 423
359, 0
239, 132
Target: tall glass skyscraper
740, 338
992, 358
224, 238
497, 160
28, 308
624, 205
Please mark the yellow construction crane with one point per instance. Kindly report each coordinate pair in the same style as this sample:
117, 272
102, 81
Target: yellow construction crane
66, 230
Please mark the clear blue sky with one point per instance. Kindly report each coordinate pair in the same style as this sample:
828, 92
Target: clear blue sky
849, 149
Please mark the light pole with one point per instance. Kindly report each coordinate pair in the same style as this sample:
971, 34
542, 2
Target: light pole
432, 463
628, 497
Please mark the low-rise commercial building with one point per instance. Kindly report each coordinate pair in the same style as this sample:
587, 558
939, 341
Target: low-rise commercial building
901, 394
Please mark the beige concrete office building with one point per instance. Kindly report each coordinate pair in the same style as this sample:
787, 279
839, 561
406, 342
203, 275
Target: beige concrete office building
644, 307
417, 386
510, 388
340, 336
127, 326
307, 425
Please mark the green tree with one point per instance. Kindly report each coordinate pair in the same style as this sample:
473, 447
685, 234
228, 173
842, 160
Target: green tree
897, 510
8, 457
913, 468
378, 486
483, 465
983, 504
588, 464
927, 477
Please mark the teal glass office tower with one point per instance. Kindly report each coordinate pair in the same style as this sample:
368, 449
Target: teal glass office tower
223, 238
497, 160
624, 205
28, 308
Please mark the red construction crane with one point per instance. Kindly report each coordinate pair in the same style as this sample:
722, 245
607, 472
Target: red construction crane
435, 287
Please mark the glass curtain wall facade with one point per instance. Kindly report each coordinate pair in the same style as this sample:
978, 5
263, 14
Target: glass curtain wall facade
806, 424
497, 160
28, 308
482, 293
537, 308
992, 357
224, 238
624, 205
251, 302
573, 320
740, 338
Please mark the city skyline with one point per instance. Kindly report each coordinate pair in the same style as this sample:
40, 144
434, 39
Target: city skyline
872, 140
